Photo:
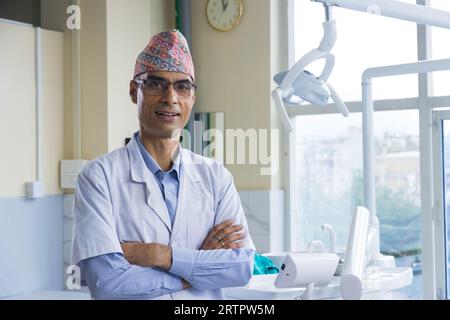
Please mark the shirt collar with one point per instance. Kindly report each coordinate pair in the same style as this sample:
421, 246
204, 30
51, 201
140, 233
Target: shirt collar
151, 164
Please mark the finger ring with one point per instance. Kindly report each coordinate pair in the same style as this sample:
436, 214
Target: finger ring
217, 238
221, 242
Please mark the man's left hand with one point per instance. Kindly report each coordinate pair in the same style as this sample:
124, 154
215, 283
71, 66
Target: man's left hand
225, 235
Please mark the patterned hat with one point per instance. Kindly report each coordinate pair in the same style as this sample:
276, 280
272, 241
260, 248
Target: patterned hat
166, 51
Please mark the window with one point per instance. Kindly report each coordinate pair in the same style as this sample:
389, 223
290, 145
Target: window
329, 156
330, 181
441, 154
440, 50
328, 161
446, 187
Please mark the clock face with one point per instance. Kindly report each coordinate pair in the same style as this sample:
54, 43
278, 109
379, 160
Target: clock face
224, 15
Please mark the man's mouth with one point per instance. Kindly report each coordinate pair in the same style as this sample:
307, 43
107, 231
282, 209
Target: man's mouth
167, 113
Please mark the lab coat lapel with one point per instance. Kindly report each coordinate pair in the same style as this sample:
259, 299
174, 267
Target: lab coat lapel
156, 201
141, 174
187, 195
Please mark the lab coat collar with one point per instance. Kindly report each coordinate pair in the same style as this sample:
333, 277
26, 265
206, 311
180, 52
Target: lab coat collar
141, 174
151, 164
139, 171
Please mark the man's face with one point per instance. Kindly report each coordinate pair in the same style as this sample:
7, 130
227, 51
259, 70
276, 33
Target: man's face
162, 114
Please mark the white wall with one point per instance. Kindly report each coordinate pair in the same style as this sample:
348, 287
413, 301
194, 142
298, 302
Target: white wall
53, 108
94, 103
113, 33
234, 71
18, 108
31, 230
124, 41
129, 28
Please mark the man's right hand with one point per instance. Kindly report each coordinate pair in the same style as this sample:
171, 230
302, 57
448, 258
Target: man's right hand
185, 284
224, 236
148, 254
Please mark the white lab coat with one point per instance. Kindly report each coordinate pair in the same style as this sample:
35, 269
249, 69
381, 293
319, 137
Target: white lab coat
120, 201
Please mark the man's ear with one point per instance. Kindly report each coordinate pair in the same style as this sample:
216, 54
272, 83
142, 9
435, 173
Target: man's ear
133, 91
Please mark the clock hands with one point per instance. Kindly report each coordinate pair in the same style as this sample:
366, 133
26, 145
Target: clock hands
224, 5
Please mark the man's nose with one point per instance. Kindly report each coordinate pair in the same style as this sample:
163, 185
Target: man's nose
170, 95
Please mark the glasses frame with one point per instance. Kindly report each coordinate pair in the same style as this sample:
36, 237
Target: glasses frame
170, 83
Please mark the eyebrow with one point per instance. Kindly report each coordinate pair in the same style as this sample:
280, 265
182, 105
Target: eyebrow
164, 79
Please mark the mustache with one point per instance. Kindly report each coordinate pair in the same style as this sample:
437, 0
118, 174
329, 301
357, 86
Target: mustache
167, 108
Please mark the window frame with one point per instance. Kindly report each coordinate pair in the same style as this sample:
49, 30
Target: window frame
440, 203
425, 104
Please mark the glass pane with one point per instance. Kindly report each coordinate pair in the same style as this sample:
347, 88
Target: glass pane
363, 41
330, 182
329, 156
397, 178
446, 166
440, 38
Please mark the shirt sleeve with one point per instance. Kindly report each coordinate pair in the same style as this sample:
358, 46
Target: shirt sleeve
94, 230
213, 269
110, 277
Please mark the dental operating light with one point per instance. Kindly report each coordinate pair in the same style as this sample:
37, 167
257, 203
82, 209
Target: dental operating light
297, 85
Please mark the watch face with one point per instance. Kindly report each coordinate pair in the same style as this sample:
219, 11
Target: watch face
223, 15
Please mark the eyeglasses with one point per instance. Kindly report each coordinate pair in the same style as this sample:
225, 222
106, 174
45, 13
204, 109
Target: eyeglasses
155, 86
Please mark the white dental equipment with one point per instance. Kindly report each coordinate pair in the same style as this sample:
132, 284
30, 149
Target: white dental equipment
316, 90
314, 268
355, 257
297, 82
404, 11
332, 236
395, 9
307, 270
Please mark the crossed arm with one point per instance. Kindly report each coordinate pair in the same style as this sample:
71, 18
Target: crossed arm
145, 271
225, 235
149, 270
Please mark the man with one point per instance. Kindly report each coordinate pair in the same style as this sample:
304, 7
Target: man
153, 220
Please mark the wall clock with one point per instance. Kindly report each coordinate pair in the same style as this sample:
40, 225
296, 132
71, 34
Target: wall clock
224, 15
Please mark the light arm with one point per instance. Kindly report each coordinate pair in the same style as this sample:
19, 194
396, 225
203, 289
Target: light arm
396, 9
297, 81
